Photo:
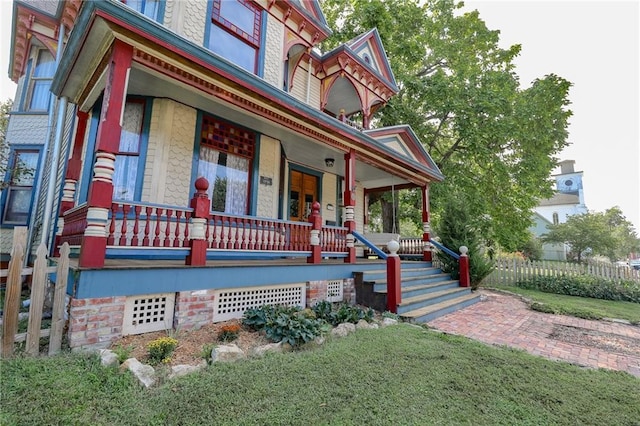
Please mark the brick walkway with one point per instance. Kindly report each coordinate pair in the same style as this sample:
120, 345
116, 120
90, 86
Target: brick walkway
502, 319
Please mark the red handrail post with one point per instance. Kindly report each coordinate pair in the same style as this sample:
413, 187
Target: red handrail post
200, 204
394, 282
316, 225
465, 278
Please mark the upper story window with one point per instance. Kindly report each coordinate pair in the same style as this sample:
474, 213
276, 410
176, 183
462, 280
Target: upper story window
235, 32
555, 219
19, 192
40, 82
149, 8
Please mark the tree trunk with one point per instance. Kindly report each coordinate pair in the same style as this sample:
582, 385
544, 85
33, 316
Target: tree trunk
388, 216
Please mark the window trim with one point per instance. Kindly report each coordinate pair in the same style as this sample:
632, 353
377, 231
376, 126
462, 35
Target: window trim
29, 84
159, 12
256, 41
5, 192
90, 153
254, 160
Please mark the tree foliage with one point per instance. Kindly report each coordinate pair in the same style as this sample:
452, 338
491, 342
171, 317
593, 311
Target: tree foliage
607, 234
5, 107
457, 228
459, 92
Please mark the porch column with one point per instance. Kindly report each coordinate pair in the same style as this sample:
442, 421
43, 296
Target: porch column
201, 205
349, 198
426, 227
94, 241
316, 226
74, 166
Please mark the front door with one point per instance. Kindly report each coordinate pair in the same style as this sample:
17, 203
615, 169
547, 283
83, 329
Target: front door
302, 193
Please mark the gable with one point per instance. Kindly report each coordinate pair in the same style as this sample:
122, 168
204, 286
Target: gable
368, 47
404, 142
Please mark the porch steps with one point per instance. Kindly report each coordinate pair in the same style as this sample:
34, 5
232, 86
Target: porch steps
427, 292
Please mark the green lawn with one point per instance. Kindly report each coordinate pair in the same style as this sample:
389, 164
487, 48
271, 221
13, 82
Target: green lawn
400, 375
584, 307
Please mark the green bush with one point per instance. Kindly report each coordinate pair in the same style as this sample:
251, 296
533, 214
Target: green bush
585, 286
455, 229
285, 324
344, 313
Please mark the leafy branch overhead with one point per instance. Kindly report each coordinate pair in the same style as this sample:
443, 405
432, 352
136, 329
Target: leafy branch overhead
493, 139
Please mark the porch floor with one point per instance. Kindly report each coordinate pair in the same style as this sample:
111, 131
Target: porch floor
175, 263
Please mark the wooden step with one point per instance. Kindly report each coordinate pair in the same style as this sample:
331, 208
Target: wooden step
431, 312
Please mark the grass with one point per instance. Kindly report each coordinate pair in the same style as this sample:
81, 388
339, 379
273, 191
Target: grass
583, 307
399, 375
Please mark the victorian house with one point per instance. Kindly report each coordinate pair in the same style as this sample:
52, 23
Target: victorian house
203, 157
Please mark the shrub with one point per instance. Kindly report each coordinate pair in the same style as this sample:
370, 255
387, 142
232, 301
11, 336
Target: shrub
285, 324
585, 286
455, 229
122, 352
344, 313
160, 349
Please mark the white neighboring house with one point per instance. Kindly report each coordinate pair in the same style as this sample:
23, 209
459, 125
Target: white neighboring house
567, 201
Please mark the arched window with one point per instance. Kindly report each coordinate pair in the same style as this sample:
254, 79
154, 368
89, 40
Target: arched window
555, 218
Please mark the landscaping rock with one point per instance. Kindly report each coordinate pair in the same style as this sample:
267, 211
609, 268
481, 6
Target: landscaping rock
271, 347
343, 329
108, 357
183, 370
226, 353
389, 321
363, 325
145, 374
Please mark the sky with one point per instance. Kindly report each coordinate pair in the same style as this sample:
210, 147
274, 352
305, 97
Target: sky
593, 44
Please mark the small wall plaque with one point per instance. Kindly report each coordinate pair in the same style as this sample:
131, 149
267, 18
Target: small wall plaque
266, 181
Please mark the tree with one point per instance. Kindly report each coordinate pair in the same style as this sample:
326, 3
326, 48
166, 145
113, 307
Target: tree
459, 92
584, 233
5, 107
626, 238
457, 228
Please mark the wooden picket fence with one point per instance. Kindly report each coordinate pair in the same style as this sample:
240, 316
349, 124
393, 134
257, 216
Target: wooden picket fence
509, 271
39, 282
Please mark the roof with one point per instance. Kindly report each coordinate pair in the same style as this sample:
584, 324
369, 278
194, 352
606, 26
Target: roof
561, 199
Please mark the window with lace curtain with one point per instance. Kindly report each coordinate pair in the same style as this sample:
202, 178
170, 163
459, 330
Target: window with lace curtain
127, 165
224, 159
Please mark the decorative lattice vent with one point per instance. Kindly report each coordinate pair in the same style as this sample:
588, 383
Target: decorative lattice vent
335, 292
151, 312
229, 304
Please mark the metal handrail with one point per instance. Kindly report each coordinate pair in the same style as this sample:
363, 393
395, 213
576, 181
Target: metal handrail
373, 247
444, 249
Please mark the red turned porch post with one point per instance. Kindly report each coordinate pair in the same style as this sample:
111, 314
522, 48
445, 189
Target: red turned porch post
394, 282
426, 227
316, 225
349, 197
71, 177
200, 204
94, 241
465, 278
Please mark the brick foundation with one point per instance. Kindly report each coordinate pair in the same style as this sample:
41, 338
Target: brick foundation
95, 323
317, 292
193, 309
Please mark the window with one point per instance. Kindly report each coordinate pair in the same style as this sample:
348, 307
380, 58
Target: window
39, 94
126, 172
149, 8
235, 32
555, 219
19, 193
225, 156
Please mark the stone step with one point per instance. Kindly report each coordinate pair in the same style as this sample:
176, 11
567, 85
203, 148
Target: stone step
431, 312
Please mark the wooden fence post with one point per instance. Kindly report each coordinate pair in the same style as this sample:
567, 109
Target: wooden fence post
57, 315
38, 287
12, 300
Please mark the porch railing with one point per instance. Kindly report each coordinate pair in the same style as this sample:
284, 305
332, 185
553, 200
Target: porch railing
137, 225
